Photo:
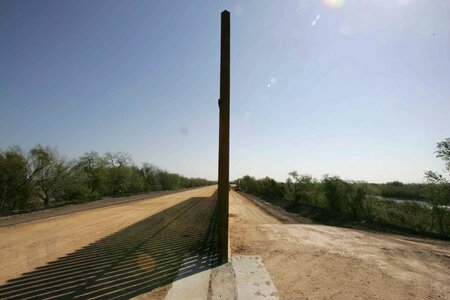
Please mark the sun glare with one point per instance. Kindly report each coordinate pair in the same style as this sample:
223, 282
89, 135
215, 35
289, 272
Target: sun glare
334, 3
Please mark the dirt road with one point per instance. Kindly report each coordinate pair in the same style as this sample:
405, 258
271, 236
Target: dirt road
139, 248
310, 261
78, 207
116, 251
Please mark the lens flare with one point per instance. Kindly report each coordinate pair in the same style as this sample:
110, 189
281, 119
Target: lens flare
315, 20
334, 3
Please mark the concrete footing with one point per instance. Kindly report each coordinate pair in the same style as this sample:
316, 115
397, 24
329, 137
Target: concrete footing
244, 277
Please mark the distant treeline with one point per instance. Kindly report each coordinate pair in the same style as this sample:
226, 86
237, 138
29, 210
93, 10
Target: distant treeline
400, 190
42, 177
427, 209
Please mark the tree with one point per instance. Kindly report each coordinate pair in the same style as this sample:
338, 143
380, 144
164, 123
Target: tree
149, 174
169, 181
292, 184
134, 181
395, 183
247, 184
116, 172
335, 190
439, 193
443, 152
44, 175
48, 169
354, 198
15, 187
118, 159
301, 188
269, 189
74, 184
93, 166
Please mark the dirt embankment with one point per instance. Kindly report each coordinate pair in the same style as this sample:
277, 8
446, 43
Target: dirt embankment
310, 261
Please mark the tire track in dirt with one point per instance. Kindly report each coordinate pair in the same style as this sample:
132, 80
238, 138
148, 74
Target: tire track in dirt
316, 261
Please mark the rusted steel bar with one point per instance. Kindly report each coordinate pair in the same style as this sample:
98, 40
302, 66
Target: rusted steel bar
224, 136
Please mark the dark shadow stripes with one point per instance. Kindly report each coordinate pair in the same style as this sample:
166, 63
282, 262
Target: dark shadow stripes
153, 252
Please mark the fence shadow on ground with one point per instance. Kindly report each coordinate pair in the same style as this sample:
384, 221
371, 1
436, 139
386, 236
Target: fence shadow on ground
175, 243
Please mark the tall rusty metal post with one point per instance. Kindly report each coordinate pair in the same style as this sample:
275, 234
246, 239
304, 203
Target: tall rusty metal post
224, 136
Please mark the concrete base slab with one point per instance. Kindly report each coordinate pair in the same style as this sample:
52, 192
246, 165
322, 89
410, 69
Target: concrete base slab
244, 277
195, 286
222, 285
252, 281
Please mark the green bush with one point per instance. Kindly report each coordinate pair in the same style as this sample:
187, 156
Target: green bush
355, 200
355, 194
266, 188
15, 181
44, 177
335, 191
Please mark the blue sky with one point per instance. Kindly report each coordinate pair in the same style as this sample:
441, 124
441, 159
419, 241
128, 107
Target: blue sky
354, 88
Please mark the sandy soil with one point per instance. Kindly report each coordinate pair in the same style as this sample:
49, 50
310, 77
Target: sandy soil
305, 260
26, 246
310, 261
73, 208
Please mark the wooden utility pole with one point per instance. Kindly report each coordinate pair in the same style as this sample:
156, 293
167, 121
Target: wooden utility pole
224, 136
